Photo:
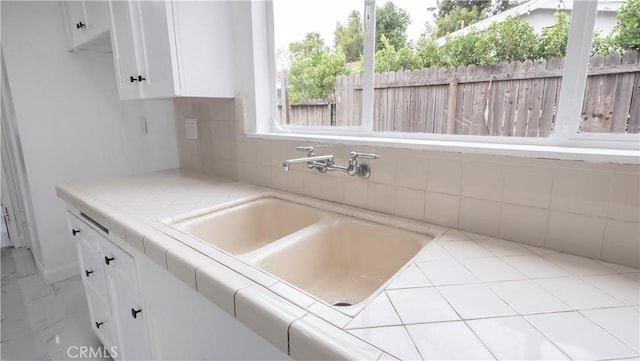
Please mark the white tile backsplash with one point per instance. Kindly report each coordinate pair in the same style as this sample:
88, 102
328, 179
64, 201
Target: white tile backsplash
621, 243
527, 185
409, 203
480, 216
489, 195
442, 209
625, 198
482, 180
576, 233
581, 191
526, 224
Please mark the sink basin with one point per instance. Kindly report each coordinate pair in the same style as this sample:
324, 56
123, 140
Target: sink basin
342, 264
248, 226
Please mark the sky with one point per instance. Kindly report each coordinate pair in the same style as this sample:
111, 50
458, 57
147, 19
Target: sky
293, 19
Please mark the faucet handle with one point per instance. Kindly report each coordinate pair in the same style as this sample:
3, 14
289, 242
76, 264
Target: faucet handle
309, 150
355, 155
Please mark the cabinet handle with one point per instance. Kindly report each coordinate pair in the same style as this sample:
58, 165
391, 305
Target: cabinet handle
87, 272
81, 25
140, 78
98, 324
75, 231
133, 79
107, 260
134, 312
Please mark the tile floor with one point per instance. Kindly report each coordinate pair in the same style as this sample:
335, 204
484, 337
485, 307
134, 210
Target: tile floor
40, 321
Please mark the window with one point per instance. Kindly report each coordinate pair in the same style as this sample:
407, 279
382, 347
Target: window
412, 69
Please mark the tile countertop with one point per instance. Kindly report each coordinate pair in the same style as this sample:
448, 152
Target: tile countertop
464, 296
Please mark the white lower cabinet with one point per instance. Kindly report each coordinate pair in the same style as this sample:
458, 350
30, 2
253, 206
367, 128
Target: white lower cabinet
141, 311
109, 276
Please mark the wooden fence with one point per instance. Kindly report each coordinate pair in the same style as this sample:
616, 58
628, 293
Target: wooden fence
508, 99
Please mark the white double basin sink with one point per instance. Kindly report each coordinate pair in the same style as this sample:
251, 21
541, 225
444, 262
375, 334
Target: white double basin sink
338, 259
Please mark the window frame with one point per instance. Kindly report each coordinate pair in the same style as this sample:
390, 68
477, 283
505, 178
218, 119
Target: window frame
565, 136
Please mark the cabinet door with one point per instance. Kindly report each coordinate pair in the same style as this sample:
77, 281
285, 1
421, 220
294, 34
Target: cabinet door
155, 50
74, 15
86, 21
91, 269
124, 48
128, 309
102, 322
97, 17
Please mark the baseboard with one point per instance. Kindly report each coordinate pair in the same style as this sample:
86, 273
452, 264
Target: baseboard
60, 273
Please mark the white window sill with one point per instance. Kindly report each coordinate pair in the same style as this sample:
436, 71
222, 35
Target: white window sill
594, 155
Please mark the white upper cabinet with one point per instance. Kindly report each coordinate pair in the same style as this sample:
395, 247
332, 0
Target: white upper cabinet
164, 49
87, 23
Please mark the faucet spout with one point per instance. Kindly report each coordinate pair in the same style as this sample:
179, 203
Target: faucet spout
312, 162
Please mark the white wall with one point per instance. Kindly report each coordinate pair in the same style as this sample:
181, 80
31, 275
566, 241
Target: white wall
71, 122
542, 18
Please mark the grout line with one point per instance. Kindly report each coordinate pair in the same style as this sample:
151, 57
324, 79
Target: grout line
607, 331
546, 337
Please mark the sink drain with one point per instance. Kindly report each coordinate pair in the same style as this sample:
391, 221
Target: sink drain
343, 303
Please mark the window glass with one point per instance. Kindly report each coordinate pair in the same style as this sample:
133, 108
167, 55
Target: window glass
318, 47
477, 68
489, 68
612, 97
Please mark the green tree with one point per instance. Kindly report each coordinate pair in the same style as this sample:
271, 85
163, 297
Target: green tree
447, 6
392, 22
314, 68
513, 40
603, 44
553, 42
429, 52
628, 28
471, 48
457, 19
391, 59
349, 37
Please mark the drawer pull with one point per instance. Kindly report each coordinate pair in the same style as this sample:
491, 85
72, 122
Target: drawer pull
107, 260
134, 312
98, 324
87, 272
75, 231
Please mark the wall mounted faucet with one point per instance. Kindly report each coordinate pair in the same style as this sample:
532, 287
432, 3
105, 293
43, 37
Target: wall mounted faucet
325, 163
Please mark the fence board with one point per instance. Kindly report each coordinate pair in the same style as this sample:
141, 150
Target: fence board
624, 94
423, 106
415, 123
441, 109
469, 97
522, 107
550, 99
505, 100
356, 119
634, 114
589, 116
480, 110
496, 102
511, 93
608, 93
535, 100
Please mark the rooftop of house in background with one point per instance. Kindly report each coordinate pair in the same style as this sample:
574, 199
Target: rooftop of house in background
539, 13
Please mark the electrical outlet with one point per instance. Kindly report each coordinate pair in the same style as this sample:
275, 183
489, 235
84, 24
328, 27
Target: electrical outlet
191, 128
144, 125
